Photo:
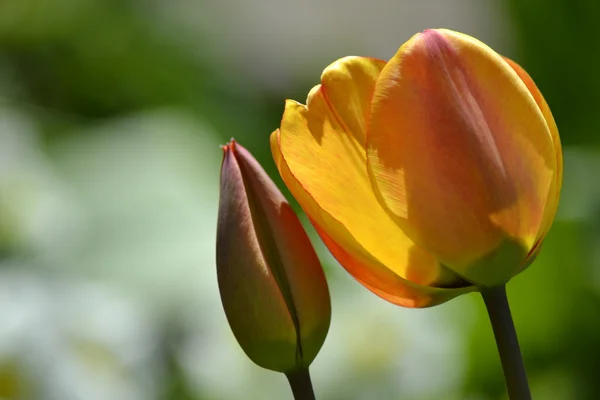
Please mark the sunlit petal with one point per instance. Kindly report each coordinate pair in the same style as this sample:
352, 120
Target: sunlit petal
458, 151
384, 280
554, 192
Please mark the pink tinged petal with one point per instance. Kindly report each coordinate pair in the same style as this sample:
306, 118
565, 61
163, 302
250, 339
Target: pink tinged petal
459, 153
554, 192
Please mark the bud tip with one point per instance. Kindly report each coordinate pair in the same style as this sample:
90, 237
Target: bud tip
228, 146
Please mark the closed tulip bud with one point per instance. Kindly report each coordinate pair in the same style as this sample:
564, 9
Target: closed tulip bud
271, 283
430, 175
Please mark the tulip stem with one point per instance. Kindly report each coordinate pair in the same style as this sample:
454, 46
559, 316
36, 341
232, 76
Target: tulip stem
503, 326
301, 384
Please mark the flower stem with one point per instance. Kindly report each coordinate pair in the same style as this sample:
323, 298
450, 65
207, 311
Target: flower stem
301, 384
498, 310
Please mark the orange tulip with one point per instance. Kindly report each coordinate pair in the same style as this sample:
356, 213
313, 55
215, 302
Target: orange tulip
272, 286
429, 176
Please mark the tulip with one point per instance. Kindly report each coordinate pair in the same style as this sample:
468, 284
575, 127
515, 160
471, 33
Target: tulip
431, 175
271, 283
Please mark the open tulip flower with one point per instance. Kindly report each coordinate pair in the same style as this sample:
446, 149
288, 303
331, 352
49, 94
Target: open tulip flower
428, 176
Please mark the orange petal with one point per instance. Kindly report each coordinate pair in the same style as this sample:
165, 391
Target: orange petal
384, 282
554, 193
323, 163
360, 263
458, 151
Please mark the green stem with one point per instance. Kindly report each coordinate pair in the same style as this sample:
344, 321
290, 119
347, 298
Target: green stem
498, 310
301, 384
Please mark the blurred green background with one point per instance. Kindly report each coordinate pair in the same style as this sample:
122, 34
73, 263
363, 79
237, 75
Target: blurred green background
111, 116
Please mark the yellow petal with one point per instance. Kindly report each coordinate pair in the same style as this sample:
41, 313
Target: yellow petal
458, 151
361, 264
323, 163
348, 85
387, 284
554, 193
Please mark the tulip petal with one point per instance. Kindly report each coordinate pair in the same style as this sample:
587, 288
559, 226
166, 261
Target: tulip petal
379, 278
323, 163
458, 151
348, 85
384, 282
554, 193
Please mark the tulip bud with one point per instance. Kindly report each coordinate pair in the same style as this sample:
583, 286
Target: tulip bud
272, 286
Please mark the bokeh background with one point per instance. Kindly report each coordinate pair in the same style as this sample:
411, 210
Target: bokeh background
111, 117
